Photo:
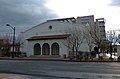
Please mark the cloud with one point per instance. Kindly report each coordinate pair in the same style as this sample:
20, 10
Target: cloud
23, 14
115, 3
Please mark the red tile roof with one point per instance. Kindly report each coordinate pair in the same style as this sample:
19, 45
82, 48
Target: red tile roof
48, 37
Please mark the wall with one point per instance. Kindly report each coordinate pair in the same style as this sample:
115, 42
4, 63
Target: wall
42, 30
63, 49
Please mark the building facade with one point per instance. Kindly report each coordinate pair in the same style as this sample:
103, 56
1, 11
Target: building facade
49, 38
100, 26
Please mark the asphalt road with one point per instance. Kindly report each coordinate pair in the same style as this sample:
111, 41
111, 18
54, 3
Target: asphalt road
62, 70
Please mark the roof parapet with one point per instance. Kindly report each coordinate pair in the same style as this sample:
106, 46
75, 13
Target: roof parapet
69, 20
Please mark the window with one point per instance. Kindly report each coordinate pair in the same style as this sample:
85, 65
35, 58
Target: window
50, 27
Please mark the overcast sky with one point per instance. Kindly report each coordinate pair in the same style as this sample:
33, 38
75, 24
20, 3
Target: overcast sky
24, 14
108, 9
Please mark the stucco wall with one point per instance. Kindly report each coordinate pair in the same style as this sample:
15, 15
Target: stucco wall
42, 30
62, 48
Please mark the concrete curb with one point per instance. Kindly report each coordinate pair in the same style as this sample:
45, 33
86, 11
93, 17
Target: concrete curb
58, 59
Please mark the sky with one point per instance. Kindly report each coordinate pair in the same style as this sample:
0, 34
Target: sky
24, 14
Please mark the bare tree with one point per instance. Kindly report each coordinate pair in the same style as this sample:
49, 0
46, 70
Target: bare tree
89, 40
114, 37
5, 43
75, 39
95, 35
7, 38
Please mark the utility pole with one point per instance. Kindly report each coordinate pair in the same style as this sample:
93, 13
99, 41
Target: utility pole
13, 52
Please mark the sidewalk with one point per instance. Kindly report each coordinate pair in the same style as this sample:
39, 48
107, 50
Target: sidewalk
13, 76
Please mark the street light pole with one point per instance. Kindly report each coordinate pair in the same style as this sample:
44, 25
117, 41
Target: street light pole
13, 39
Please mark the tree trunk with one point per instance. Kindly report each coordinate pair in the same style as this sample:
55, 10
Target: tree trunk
98, 51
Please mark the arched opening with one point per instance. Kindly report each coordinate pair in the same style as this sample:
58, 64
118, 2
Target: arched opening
37, 49
45, 49
55, 49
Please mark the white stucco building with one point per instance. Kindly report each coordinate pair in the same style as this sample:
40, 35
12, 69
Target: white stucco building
49, 38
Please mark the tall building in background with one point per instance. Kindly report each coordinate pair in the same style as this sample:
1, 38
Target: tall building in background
86, 20
100, 27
